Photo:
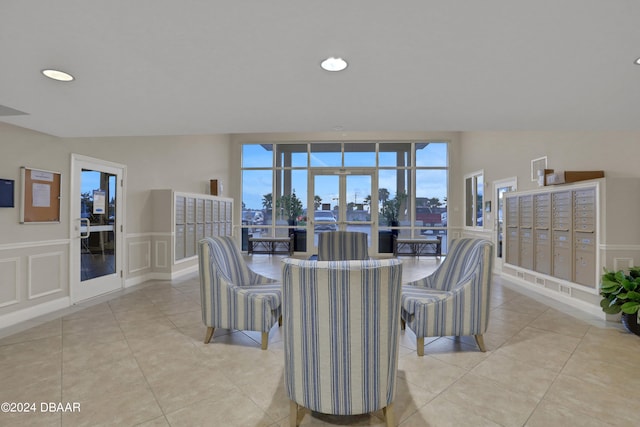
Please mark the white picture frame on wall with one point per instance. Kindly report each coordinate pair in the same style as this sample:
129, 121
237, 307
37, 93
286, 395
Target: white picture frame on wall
537, 164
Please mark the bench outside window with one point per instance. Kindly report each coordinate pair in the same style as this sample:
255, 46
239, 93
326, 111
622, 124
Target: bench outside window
417, 246
270, 245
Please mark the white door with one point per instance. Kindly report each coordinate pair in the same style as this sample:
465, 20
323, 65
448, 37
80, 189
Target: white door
499, 188
345, 200
96, 227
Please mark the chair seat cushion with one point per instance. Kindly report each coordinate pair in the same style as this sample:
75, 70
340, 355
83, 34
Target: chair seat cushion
270, 291
413, 297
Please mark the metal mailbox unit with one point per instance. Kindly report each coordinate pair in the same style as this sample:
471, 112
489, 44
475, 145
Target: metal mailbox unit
560, 238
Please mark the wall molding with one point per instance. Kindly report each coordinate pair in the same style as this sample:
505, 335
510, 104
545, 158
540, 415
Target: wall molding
30, 313
149, 234
162, 247
137, 280
16, 262
525, 287
31, 259
36, 244
620, 247
146, 249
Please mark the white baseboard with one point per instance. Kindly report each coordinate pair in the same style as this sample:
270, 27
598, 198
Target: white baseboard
184, 272
31, 313
554, 297
133, 281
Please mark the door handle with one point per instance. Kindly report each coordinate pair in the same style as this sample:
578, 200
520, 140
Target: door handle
88, 225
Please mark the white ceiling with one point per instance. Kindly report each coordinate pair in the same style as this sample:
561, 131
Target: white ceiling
160, 67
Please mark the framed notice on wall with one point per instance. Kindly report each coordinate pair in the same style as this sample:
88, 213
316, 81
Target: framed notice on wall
40, 198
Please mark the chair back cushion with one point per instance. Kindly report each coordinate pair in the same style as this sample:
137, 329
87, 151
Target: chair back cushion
464, 256
226, 259
342, 246
340, 332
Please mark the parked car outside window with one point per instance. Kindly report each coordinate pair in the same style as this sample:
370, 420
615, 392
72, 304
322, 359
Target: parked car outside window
247, 217
324, 220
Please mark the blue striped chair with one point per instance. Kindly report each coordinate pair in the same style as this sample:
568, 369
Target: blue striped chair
342, 246
454, 300
233, 296
340, 332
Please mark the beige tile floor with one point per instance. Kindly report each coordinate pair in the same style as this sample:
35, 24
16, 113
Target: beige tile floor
136, 358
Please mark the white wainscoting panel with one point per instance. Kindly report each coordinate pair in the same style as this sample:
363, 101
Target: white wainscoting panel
139, 256
9, 281
162, 254
44, 274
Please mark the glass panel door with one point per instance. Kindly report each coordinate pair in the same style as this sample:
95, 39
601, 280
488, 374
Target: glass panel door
96, 235
500, 187
98, 213
341, 201
358, 193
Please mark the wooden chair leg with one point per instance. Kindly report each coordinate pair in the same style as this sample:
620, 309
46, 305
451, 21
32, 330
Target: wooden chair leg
265, 340
389, 415
480, 342
209, 334
293, 414
420, 345
403, 324
280, 320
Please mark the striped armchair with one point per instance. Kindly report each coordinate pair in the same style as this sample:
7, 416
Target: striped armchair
342, 246
340, 331
454, 300
232, 296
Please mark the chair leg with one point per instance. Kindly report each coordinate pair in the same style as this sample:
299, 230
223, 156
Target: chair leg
389, 415
265, 340
403, 324
293, 414
480, 342
280, 320
420, 345
209, 334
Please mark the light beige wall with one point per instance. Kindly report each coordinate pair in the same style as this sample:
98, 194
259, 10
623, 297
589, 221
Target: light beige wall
26, 148
181, 163
507, 154
34, 258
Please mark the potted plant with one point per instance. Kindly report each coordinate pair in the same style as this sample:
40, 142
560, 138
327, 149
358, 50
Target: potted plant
390, 210
290, 207
621, 294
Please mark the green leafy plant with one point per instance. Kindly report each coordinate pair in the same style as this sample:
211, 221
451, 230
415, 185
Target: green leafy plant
620, 291
390, 210
290, 206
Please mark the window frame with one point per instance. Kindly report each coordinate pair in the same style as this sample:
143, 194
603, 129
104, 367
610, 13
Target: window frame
473, 199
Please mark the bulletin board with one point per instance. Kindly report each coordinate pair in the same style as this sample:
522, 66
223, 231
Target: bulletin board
40, 198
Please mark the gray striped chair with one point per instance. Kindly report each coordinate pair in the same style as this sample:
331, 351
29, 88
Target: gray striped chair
233, 296
340, 332
454, 300
342, 246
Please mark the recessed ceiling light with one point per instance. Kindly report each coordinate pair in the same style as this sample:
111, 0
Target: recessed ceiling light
637, 61
333, 64
58, 75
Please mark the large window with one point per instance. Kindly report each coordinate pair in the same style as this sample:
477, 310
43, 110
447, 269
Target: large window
410, 179
432, 174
